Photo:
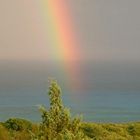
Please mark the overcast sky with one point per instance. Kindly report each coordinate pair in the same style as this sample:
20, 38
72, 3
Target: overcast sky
108, 29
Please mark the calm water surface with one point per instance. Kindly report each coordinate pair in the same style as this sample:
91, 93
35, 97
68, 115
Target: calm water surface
111, 93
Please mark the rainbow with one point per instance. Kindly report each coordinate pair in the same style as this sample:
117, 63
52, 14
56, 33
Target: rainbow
63, 39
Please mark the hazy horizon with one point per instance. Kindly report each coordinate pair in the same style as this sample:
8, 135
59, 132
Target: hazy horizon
110, 92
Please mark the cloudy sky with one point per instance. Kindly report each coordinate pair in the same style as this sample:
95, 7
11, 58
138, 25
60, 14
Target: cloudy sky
107, 30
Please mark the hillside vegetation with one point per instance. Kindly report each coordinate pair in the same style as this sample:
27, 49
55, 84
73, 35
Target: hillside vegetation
92, 131
57, 124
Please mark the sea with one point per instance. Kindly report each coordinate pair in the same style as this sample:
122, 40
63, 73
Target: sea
110, 91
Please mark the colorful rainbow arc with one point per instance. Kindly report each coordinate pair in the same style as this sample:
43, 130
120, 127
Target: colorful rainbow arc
63, 35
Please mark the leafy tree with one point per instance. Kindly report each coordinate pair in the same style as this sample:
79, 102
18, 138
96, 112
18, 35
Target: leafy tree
57, 123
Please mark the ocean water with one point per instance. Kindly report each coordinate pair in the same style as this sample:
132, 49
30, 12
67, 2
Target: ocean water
110, 93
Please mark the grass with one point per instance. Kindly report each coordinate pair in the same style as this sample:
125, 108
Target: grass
112, 131
93, 131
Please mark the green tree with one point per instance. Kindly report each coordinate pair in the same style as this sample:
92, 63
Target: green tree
57, 123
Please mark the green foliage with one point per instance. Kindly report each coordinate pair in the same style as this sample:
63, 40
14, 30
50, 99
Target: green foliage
134, 130
4, 135
17, 124
56, 121
130, 131
93, 131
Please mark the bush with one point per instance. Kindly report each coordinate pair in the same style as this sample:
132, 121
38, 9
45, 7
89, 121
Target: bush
17, 124
56, 121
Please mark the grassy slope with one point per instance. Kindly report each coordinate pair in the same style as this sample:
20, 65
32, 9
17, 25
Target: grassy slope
97, 131
127, 131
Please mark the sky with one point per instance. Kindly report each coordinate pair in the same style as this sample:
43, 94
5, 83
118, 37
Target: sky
107, 43
106, 30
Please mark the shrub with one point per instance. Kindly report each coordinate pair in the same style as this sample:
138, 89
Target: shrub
17, 124
56, 121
